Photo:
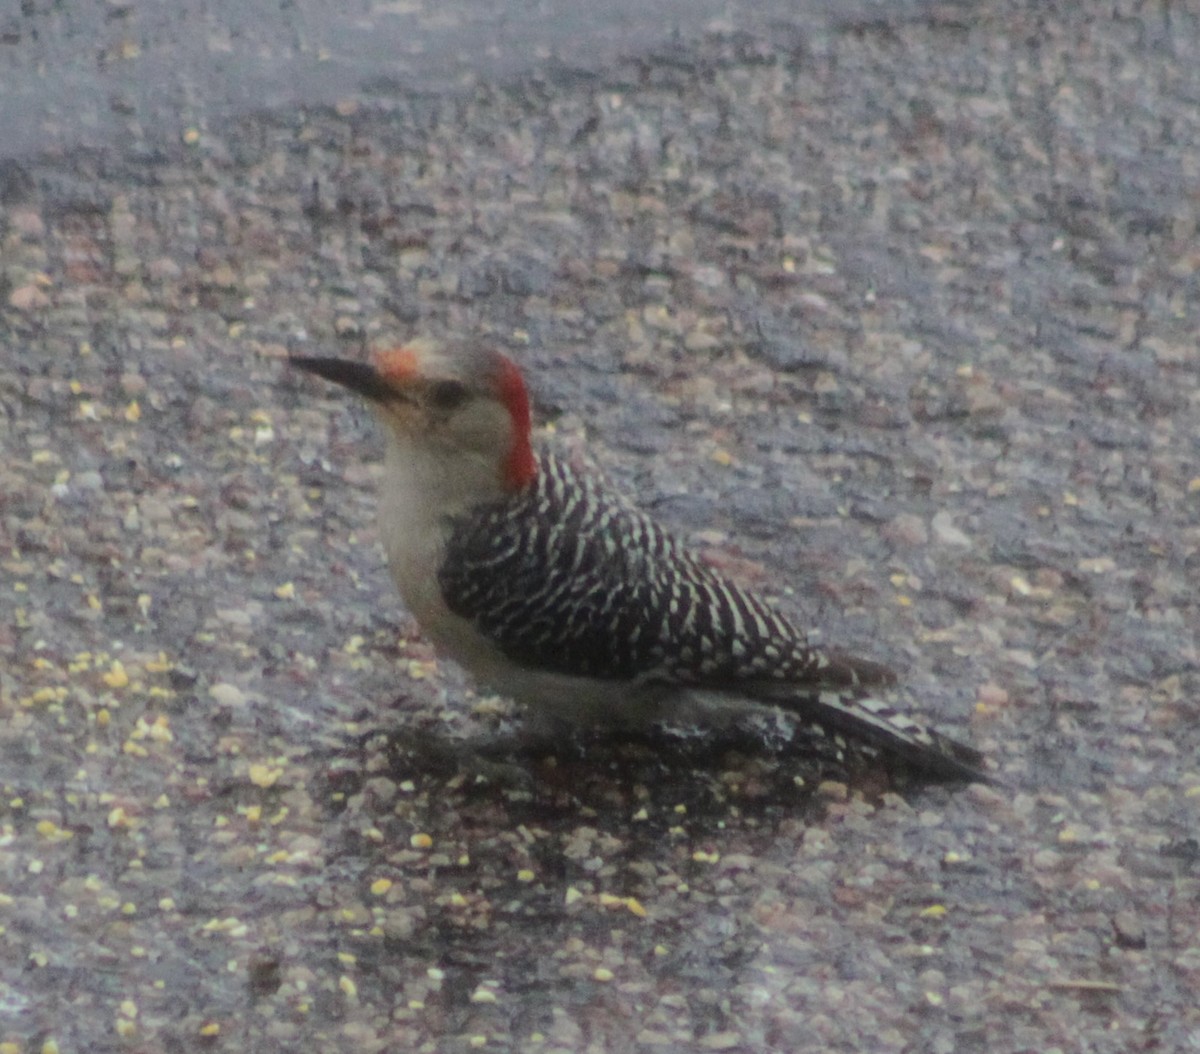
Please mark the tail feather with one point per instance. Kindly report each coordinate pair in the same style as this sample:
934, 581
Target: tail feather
877, 723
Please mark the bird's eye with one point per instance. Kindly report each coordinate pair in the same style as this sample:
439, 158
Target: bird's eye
448, 395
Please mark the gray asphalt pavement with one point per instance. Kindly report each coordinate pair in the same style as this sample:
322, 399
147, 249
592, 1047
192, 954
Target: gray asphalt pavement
101, 73
894, 311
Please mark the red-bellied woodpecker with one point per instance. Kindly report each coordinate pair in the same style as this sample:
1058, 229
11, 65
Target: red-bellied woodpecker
548, 587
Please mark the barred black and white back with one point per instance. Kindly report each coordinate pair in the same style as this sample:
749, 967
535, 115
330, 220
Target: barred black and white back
565, 576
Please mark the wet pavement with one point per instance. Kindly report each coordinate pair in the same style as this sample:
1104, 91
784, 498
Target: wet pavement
897, 309
98, 74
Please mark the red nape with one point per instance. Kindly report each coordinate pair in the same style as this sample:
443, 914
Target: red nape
520, 467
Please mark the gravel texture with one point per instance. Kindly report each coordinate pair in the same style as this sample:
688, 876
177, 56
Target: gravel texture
908, 309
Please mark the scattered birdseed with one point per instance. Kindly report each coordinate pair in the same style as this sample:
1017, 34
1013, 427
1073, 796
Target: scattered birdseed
116, 676
264, 775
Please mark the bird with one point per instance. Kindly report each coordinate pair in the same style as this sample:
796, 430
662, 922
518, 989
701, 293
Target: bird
521, 562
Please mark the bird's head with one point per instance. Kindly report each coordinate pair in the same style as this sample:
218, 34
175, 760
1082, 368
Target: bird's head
450, 400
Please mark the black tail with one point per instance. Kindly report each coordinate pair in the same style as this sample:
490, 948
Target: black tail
878, 724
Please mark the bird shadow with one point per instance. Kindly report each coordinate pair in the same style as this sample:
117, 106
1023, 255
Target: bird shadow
665, 776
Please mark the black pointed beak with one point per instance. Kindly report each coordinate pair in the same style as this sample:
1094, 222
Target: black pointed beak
359, 377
